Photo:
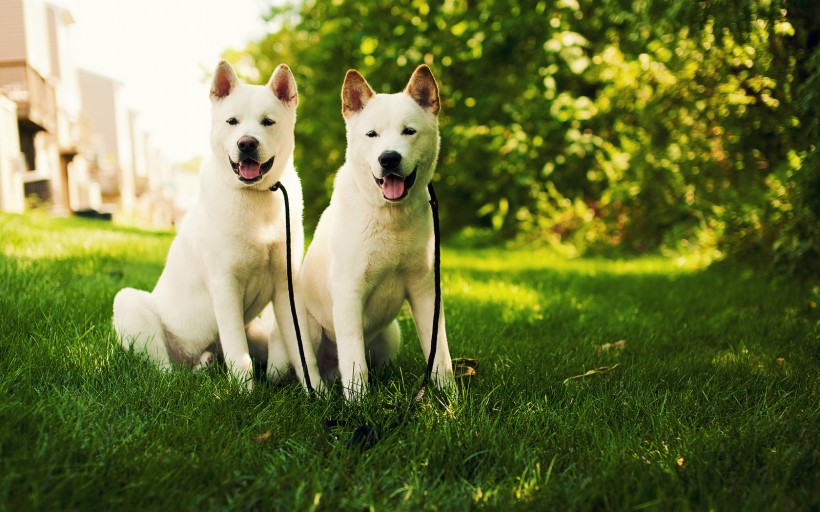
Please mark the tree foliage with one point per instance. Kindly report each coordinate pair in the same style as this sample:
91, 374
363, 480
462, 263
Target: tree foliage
633, 124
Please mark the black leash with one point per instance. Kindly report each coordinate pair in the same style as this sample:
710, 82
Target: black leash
274, 188
437, 278
366, 436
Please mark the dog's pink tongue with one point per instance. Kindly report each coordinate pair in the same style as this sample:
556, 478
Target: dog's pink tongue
393, 187
249, 169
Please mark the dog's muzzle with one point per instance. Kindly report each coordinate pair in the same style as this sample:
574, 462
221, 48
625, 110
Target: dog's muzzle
394, 186
249, 170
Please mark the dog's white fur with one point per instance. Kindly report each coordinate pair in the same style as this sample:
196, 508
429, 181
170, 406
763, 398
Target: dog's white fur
369, 253
228, 260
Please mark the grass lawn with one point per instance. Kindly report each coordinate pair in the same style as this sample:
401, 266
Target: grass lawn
711, 402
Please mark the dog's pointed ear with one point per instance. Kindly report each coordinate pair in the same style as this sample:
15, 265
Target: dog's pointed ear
224, 80
355, 93
423, 89
283, 85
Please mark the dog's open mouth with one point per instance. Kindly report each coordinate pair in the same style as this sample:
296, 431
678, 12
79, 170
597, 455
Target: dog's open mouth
395, 187
249, 170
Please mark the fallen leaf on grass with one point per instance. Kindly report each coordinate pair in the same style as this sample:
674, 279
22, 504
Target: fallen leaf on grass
465, 361
610, 347
603, 370
464, 367
463, 371
262, 437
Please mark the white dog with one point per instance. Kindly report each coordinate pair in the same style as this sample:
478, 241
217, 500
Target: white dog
228, 260
373, 247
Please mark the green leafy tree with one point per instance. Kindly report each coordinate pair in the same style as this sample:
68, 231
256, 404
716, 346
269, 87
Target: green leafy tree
615, 124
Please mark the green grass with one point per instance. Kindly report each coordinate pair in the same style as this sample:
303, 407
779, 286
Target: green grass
713, 403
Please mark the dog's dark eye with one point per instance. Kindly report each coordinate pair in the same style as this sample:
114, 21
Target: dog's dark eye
372, 134
232, 121
268, 122
408, 131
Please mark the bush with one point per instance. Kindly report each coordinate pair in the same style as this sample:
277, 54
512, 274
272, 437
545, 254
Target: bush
688, 127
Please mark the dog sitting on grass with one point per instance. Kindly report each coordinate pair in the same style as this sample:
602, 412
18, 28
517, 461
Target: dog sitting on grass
228, 260
373, 246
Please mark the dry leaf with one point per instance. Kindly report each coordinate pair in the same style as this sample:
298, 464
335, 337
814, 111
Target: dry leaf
262, 438
466, 361
610, 347
597, 371
463, 371
681, 462
781, 360
464, 367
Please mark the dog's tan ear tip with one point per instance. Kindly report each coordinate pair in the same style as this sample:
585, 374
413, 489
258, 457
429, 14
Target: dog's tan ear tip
422, 73
283, 84
224, 80
423, 88
424, 69
355, 93
353, 74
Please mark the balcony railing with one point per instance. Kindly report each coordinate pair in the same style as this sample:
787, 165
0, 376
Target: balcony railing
73, 133
35, 97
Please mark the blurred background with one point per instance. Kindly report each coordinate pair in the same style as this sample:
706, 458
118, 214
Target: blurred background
607, 127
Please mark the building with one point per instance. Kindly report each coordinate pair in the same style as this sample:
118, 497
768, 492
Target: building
101, 100
38, 75
11, 161
75, 146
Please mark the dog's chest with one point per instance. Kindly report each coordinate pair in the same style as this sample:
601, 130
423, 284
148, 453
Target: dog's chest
384, 295
390, 270
255, 264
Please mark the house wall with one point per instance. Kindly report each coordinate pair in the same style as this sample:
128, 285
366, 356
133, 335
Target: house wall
102, 103
27, 78
81, 147
35, 20
12, 31
11, 162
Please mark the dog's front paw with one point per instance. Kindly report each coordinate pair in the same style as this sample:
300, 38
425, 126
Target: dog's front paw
444, 378
354, 384
355, 392
277, 372
242, 372
205, 361
245, 381
320, 389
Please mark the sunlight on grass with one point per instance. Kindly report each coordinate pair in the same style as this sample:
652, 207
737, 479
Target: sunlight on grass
754, 363
36, 237
514, 301
531, 481
502, 260
85, 355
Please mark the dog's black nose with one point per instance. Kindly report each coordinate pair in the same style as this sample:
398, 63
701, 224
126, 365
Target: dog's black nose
247, 144
389, 160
